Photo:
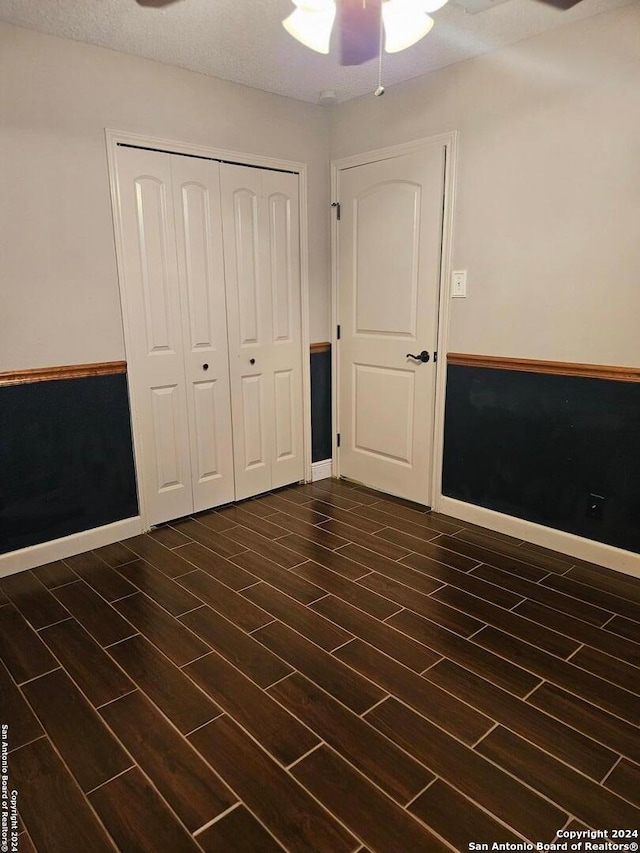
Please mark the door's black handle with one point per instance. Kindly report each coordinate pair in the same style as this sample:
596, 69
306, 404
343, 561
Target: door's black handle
205, 367
424, 356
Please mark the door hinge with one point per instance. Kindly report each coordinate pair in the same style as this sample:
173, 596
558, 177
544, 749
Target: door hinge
338, 335
338, 437
435, 357
336, 204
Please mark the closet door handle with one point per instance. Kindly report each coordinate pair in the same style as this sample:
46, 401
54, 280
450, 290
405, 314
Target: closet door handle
205, 367
252, 361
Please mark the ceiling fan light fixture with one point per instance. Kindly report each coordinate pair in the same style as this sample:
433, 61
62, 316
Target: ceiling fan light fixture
312, 26
405, 23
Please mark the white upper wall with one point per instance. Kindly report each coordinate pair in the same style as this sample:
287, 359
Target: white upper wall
547, 195
548, 192
59, 301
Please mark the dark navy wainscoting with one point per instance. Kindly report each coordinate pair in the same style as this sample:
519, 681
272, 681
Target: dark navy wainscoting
66, 458
321, 445
535, 446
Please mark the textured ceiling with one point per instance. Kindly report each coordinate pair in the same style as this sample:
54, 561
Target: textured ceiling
243, 41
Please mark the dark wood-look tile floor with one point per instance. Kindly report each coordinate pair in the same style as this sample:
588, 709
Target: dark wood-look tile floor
325, 668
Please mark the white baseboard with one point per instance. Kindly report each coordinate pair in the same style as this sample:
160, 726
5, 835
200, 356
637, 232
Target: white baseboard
67, 546
567, 543
321, 470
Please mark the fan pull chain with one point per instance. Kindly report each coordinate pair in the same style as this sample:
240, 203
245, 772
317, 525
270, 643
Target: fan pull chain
379, 92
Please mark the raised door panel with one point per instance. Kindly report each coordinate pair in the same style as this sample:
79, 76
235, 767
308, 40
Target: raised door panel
165, 406
283, 272
198, 262
386, 260
382, 413
389, 271
285, 427
196, 188
149, 288
156, 273
248, 265
253, 434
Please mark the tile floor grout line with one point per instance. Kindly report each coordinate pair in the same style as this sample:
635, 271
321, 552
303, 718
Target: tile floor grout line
486, 734
41, 675
136, 689
410, 802
123, 597
107, 781
375, 705
189, 662
316, 600
260, 627
268, 687
192, 610
214, 820
117, 642
29, 742
45, 627
526, 696
610, 771
434, 663
187, 735
575, 652
480, 629
307, 753
341, 645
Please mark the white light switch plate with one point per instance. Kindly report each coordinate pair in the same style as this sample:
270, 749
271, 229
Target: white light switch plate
459, 283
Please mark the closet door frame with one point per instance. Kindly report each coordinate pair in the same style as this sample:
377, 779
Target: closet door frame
114, 138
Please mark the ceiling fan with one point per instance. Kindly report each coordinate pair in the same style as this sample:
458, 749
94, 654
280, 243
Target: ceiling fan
367, 26
361, 24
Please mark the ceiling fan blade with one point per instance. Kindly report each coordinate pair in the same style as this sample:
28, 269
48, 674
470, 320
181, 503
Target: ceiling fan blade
359, 22
560, 4
155, 4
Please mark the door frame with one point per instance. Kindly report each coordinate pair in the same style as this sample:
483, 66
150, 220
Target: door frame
113, 138
449, 141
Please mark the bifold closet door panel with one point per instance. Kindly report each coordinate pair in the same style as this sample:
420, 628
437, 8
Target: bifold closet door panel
154, 335
196, 190
262, 270
282, 199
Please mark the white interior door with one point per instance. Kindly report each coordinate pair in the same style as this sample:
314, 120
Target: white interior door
262, 269
389, 255
196, 189
155, 360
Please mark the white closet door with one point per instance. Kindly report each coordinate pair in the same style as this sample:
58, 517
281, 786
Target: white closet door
154, 335
262, 265
196, 188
